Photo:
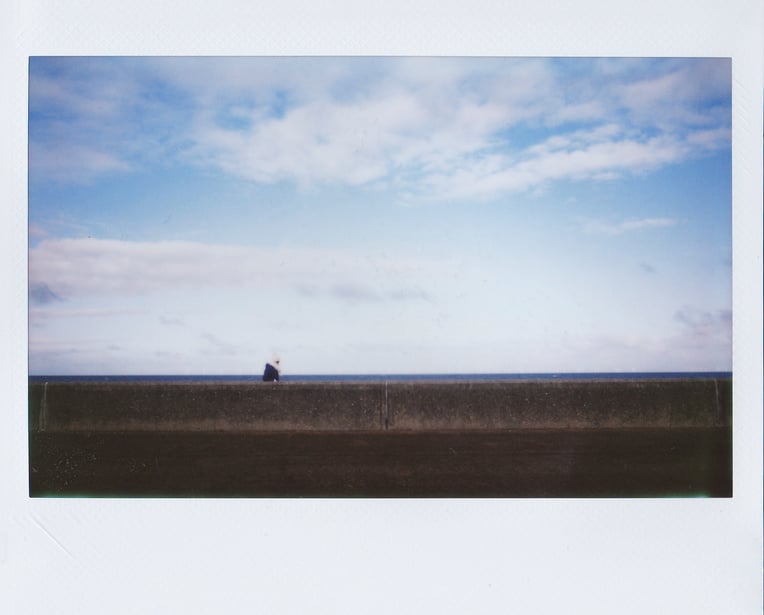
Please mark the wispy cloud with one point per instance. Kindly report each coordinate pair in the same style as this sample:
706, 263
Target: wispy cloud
701, 342
431, 128
457, 140
91, 267
704, 336
217, 346
73, 163
354, 293
171, 321
40, 294
36, 231
564, 159
702, 324
629, 226
410, 294
359, 293
85, 313
669, 99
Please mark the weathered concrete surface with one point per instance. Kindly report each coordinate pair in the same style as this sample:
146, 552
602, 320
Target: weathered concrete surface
151, 406
561, 404
380, 406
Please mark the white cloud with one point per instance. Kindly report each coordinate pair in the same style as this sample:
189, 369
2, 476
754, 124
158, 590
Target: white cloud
576, 140
704, 338
40, 294
702, 342
560, 158
396, 133
711, 139
172, 321
675, 98
36, 231
355, 293
457, 140
702, 324
216, 346
93, 267
83, 88
87, 313
454, 154
73, 163
432, 128
628, 226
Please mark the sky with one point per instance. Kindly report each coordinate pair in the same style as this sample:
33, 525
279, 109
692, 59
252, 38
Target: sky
372, 215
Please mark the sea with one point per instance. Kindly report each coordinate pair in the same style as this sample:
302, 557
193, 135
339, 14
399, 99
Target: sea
377, 377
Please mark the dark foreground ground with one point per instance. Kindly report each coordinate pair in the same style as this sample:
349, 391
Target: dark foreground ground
523, 463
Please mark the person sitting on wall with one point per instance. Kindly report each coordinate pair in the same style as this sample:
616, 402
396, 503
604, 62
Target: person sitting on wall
271, 373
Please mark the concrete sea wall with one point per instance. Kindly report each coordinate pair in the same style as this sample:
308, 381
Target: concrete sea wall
379, 406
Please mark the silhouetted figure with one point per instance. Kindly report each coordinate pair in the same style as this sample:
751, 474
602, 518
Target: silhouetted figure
271, 373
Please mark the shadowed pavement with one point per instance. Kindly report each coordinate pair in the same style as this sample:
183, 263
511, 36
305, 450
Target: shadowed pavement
506, 463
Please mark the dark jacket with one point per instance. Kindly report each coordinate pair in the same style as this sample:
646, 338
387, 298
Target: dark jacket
271, 373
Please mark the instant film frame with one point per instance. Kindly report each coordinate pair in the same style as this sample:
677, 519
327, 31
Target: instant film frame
285, 543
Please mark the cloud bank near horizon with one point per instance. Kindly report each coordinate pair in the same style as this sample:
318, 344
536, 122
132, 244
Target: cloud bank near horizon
82, 268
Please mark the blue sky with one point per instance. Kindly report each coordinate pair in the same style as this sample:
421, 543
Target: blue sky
379, 215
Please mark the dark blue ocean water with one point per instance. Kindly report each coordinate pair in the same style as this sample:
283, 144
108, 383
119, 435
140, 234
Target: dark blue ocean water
380, 377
